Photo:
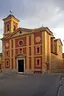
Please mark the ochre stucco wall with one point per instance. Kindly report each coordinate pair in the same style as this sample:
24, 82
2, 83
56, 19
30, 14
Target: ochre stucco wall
31, 42
57, 59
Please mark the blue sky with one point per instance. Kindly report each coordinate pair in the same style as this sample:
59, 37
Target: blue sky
35, 13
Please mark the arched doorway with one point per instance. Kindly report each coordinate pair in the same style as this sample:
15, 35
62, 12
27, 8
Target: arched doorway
20, 61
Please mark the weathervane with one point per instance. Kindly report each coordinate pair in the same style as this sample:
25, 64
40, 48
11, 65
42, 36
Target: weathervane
10, 12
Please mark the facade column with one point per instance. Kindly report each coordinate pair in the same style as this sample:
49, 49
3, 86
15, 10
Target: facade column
3, 54
50, 52
10, 56
14, 63
32, 51
43, 51
27, 56
11, 25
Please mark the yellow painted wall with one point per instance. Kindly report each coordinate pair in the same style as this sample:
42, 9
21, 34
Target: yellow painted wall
14, 60
32, 51
57, 60
46, 49
27, 55
43, 51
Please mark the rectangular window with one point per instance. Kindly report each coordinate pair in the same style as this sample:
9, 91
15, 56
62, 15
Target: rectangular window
38, 62
7, 64
38, 49
29, 40
7, 53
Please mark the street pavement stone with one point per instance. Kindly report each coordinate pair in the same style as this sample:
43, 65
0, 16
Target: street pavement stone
15, 84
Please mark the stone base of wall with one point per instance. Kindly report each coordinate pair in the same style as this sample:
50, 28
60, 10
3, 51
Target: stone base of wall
27, 71
9, 71
58, 70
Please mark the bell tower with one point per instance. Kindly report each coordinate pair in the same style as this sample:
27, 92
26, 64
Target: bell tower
10, 24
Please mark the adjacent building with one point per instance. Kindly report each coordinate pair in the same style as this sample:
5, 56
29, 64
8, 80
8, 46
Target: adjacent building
30, 50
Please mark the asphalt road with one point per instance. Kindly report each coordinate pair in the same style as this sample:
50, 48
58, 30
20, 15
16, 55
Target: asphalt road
31, 85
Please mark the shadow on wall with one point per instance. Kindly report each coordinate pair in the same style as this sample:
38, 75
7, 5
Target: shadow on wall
56, 63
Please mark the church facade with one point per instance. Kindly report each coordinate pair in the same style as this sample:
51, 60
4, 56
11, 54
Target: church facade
29, 50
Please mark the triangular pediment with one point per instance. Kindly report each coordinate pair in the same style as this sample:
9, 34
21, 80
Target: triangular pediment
21, 31
59, 40
18, 32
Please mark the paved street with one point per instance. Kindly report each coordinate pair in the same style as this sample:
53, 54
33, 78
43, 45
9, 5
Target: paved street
31, 85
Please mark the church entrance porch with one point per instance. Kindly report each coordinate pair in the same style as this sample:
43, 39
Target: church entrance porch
20, 65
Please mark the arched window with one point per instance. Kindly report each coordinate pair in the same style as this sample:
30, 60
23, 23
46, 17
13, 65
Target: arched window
8, 27
14, 28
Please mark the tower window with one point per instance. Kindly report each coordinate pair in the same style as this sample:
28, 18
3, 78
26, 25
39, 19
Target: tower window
8, 29
14, 27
